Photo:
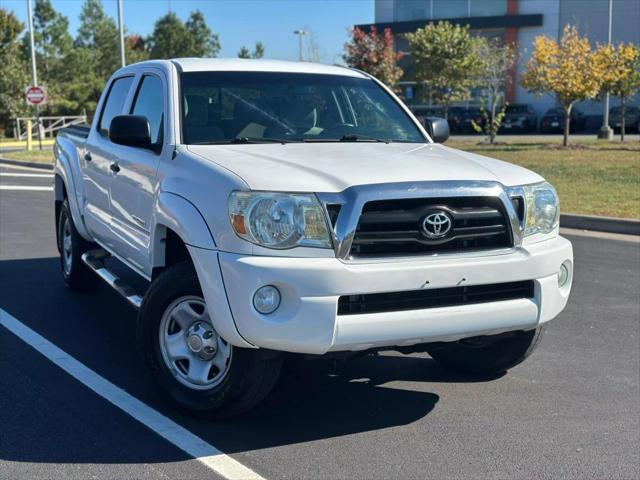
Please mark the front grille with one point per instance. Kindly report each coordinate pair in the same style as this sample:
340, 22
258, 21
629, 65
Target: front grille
394, 227
433, 298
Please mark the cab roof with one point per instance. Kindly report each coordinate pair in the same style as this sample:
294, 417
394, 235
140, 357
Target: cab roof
251, 65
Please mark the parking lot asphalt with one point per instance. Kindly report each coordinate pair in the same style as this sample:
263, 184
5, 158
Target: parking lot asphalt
570, 411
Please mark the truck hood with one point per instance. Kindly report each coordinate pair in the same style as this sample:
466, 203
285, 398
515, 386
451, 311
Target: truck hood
333, 167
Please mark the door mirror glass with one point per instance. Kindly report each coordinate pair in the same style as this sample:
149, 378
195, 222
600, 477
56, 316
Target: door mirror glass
437, 128
131, 130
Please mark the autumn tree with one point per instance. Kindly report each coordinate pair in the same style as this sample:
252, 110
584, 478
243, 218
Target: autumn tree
569, 70
258, 51
496, 62
13, 70
374, 53
620, 73
445, 58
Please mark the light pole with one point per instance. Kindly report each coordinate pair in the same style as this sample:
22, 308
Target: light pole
606, 132
121, 28
301, 33
34, 73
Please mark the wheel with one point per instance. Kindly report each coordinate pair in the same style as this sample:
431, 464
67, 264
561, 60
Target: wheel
201, 372
488, 355
71, 245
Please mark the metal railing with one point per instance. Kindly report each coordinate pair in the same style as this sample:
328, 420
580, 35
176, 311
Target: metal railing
48, 125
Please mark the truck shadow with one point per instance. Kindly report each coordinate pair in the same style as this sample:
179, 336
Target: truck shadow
314, 400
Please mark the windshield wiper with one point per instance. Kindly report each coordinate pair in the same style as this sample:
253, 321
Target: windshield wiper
245, 140
349, 138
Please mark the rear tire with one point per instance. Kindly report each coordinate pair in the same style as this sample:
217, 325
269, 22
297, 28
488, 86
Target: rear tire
488, 355
174, 333
77, 276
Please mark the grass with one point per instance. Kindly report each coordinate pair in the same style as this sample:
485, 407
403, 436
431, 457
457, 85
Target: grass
593, 177
36, 156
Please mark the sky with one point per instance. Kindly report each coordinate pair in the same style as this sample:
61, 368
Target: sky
239, 22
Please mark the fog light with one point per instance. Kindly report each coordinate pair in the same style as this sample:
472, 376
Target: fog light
266, 299
564, 274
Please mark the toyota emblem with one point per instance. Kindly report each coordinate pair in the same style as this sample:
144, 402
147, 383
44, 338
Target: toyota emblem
436, 224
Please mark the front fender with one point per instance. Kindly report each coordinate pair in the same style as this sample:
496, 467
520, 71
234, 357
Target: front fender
176, 213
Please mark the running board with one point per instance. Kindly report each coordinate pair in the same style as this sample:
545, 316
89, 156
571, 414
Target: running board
94, 259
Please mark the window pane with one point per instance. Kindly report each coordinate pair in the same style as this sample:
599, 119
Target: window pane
149, 103
487, 8
450, 8
115, 102
219, 107
412, 10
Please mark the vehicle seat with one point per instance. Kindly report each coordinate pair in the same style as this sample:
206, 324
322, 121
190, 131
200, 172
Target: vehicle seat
197, 121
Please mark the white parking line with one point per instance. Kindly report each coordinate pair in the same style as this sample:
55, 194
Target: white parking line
21, 167
26, 175
26, 187
179, 436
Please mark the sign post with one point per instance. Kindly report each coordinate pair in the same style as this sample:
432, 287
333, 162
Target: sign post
36, 96
34, 74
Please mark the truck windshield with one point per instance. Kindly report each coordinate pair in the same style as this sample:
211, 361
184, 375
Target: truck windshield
261, 107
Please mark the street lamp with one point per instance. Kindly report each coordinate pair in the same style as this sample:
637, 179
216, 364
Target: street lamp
121, 28
300, 33
606, 132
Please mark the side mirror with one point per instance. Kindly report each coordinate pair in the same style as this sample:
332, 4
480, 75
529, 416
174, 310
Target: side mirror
131, 130
437, 128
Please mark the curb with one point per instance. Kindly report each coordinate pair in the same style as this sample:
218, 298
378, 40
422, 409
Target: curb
601, 224
18, 163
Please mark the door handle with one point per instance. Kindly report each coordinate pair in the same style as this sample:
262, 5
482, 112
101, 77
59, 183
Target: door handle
114, 168
87, 156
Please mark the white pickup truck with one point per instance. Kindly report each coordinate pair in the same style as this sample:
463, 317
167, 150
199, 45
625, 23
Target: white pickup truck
281, 208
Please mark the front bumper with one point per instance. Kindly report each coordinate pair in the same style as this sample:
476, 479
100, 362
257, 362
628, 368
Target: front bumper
307, 319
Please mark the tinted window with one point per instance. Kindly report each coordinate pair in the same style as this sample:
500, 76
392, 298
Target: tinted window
149, 103
115, 102
218, 107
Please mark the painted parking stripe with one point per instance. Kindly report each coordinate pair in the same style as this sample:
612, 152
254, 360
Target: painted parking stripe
179, 436
23, 168
26, 187
26, 175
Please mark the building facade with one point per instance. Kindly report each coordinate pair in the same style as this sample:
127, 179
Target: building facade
515, 21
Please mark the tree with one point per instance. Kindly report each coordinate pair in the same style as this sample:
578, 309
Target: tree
172, 38
569, 70
496, 60
52, 44
204, 43
258, 51
373, 53
621, 73
445, 58
98, 33
13, 70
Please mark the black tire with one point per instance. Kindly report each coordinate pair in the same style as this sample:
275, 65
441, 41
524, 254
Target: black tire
77, 276
488, 355
251, 374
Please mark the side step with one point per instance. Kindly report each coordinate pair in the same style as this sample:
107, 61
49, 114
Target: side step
94, 259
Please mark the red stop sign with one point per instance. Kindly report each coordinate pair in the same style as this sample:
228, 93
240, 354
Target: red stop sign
35, 95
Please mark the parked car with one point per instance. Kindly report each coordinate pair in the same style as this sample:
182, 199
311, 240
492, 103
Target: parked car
631, 121
519, 118
455, 118
553, 120
290, 208
465, 117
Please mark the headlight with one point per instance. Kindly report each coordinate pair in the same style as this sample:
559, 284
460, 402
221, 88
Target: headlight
279, 220
543, 208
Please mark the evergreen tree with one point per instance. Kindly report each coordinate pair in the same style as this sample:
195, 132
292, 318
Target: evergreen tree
13, 71
173, 38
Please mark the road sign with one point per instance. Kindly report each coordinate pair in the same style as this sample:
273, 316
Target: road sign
35, 95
